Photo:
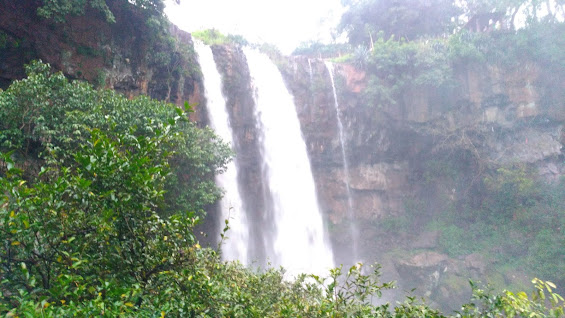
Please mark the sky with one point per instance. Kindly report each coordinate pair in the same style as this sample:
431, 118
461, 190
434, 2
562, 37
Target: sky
285, 23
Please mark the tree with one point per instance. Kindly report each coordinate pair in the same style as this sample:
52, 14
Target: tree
45, 115
402, 19
58, 10
483, 13
104, 214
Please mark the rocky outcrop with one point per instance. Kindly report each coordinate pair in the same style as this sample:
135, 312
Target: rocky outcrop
497, 114
127, 56
423, 270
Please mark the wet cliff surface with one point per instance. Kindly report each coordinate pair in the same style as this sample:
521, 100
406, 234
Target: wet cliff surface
413, 159
128, 56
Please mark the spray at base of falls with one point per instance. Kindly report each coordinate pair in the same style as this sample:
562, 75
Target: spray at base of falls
235, 247
352, 224
298, 241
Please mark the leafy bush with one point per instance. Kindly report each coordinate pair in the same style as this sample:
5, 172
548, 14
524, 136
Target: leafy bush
45, 117
58, 10
395, 66
107, 222
215, 37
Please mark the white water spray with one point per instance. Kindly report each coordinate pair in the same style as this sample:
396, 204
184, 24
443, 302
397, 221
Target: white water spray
235, 246
351, 219
299, 241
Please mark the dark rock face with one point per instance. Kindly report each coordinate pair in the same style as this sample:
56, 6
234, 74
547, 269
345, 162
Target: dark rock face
500, 119
377, 168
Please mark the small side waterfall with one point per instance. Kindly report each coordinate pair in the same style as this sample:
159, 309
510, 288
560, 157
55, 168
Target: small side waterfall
351, 219
299, 240
236, 246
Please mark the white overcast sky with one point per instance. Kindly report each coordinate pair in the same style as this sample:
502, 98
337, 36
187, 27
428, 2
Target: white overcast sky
285, 23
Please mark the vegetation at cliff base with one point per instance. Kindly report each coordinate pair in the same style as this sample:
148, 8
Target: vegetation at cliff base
215, 37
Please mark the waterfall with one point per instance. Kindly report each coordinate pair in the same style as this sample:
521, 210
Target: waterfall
352, 224
298, 241
235, 246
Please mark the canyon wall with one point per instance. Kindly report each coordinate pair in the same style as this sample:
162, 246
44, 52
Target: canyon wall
400, 156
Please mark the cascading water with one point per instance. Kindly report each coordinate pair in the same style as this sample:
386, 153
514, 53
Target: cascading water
299, 241
235, 247
352, 223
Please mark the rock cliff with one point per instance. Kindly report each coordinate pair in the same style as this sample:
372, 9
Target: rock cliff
128, 56
492, 117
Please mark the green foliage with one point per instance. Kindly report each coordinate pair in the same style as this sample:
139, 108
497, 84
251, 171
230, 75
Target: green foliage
45, 113
402, 19
394, 67
420, 63
466, 47
88, 234
513, 191
210, 36
58, 10
453, 240
543, 302
104, 223
237, 39
88, 51
215, 37
361, 57
406, 55
321, 50
394, 224
538, 42
100, 80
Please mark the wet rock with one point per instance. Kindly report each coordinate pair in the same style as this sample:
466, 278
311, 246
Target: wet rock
423, 271
476, 262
